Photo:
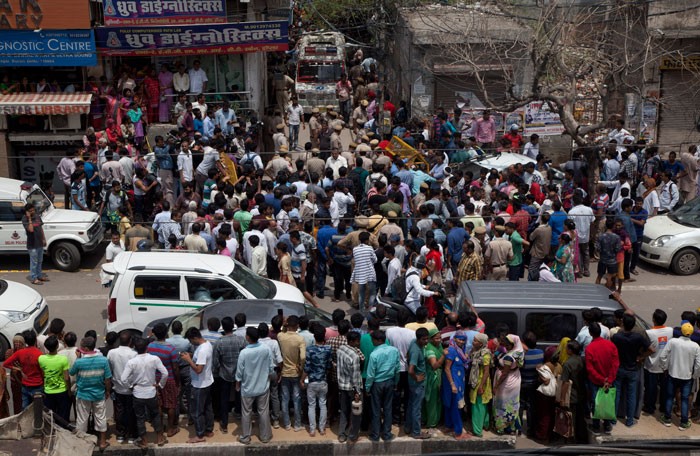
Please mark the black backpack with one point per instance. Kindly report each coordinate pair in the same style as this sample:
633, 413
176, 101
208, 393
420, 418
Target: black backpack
398, 287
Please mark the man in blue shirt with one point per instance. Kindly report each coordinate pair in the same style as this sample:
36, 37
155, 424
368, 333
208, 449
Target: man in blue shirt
626, 219
415, 360
323, 242
318, 362
255, 364
556, 221
455, 238
382, 377
639, 217
165, 169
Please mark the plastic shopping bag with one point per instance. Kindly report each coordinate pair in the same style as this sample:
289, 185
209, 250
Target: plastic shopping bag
605, 404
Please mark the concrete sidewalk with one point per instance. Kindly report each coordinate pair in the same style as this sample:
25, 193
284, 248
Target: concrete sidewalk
300, 443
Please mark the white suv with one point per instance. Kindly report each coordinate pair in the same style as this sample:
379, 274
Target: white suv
69, 234
148, 286
21, 308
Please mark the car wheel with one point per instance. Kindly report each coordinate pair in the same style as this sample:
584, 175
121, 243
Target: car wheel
65, 256
686, 262
4, 346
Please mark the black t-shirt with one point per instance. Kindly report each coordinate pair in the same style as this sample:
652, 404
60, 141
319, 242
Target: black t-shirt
36, 239
629, 346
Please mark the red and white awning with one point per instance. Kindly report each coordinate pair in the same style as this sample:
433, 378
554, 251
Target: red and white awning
43, 104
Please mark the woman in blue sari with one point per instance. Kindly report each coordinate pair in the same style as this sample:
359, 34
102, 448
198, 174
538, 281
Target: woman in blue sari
453, 385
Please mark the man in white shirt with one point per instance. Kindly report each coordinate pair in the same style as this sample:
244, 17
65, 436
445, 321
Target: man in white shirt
225, 118
127, 164
582, 216
202, 379
247, 245
532, 149
651, 198
546, 274
198, 78
659, 335
415, 289
184, 162
619, 184
401, 337
194, 242
335, 161
393, 268
259, 255
200, 104
295, 117
114, 248
181, 80
344, 199
123, 397
140, 375
619, 134
668, 195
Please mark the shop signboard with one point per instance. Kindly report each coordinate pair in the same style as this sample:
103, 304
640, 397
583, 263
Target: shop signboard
44, 15
244, 37
163, 12
47, 48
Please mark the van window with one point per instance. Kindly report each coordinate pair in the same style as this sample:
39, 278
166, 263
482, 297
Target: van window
153, 287
492, 319
551, 327
211, 290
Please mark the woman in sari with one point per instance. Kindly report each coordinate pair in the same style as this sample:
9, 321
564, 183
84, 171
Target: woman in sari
453, 385
151, 88
506, 386
570, 229
15, 375
480, 383
620, 257
135, 115
564, 266
165, 79
562, 354
434, 359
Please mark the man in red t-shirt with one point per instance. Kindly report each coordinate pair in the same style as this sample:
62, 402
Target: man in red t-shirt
516, 140
26, 361
602, 363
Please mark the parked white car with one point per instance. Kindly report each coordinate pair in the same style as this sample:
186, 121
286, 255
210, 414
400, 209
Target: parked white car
673, 240
149, 286
22, 308
69, 234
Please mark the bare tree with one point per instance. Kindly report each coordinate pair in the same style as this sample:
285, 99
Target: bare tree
557, 51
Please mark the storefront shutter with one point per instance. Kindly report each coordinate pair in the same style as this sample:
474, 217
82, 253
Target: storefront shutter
679, 113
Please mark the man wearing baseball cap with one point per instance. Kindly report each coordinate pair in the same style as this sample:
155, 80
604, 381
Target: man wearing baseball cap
516, 140
681, 358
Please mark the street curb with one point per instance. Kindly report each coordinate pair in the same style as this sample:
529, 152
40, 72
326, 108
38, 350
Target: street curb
398, 446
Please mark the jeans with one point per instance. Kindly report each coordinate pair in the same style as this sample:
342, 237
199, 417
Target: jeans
293, 135
401, 398
636, 249
367, 290
316, 393
514, 272
654, 384
59, 403
628, 258
201, 409
349, 423
28, 394
293, 384
36, 258
124, 415
533, 269
147, 410
627, 379
321, 271
382, 397
684, 386
224, 401
275, 409
413, 412
185, 391
345, 110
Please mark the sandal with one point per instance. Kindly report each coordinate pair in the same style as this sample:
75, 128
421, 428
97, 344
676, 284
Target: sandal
37, 282
102, 448
162, 442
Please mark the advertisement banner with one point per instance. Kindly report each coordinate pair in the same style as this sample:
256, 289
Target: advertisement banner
163, 12
541, 120
194, 39
47, 48
44, 14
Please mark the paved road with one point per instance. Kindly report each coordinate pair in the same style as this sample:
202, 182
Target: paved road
79, 298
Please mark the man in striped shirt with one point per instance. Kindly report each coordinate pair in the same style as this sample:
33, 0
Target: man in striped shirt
170, 357
363, 272
349, 374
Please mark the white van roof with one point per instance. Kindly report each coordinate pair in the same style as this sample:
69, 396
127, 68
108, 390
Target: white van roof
180, 261
10, 188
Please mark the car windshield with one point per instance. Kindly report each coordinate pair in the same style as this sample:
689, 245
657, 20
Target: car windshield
257, 286
190, 319
688, 214
39, 200
323, 73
